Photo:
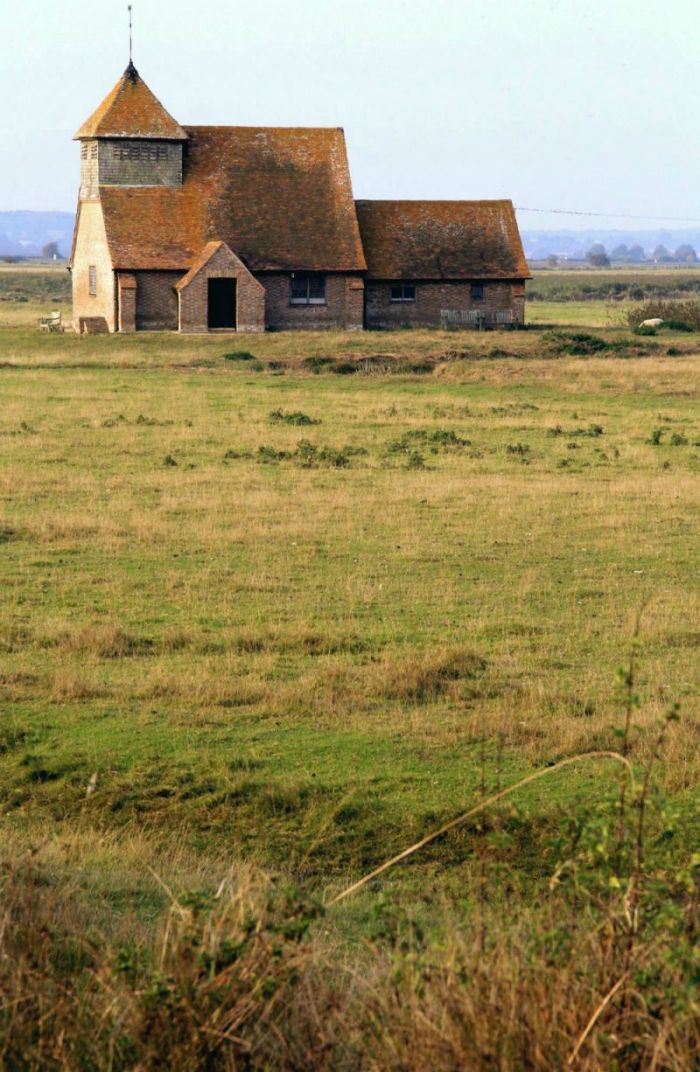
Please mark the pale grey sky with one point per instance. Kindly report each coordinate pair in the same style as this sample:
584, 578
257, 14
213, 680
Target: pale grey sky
556, 104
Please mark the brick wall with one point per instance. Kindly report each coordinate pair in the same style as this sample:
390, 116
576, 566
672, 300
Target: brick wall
125, 162
91, 249
344, 308
432, 298
250, 295
156, 301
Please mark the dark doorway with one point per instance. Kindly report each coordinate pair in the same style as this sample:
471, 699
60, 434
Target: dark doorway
222, 304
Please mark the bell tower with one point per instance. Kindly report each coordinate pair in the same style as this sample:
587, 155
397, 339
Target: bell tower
130, 140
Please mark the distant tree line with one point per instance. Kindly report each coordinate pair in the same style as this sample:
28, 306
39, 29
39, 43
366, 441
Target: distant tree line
598, 256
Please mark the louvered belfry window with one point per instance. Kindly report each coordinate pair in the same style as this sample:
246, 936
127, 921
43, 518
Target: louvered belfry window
92, 281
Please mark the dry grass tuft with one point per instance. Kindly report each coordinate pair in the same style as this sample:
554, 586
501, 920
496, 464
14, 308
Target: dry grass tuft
420, 679
103, 641
241, 976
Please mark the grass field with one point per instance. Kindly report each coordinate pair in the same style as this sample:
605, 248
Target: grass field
256, 610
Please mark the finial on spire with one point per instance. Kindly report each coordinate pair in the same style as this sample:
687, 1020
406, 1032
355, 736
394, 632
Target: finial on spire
131, 43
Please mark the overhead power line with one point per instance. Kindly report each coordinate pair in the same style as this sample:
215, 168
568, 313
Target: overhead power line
608, 215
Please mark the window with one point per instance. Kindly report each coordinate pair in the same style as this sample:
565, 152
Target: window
477, 291
140, 152
403, 292
308, 288
92, 281
84, 151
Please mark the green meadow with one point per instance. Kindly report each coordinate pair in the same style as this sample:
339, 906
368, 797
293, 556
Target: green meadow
291, 602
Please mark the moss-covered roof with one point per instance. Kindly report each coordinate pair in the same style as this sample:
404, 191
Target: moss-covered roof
441, 240
281, 199
131, 110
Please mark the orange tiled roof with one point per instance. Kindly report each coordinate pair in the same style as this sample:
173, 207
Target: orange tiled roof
441, 240
281, 199
130, 110
204, 257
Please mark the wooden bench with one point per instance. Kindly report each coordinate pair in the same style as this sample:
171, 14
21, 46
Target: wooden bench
53, 322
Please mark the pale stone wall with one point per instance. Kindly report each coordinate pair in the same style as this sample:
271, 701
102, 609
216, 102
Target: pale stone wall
89, 170
91, 250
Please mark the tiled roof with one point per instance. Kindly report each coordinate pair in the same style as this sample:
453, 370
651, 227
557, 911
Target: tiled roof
131, 111
204, 257
441, 240
281, 199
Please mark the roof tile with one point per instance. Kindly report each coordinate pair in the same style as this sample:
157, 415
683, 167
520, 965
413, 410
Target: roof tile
281, 199
131, 110
441, 240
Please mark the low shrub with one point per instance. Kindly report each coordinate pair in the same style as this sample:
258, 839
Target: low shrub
308, 455
234, 453
415, 460
239, 355
678, 325
279, 416
267, 454
436, 440
676, 315
318, 363
577, 343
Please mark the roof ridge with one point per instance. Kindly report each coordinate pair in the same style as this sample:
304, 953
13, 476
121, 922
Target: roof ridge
434, 201
255, 126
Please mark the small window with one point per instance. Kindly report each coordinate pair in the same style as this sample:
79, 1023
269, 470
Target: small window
477, 291
92, 281
84, 151
403, 292
93, 150
308, 288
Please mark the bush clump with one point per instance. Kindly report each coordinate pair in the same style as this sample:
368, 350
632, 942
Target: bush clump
244, 358
239, 355
436, 440
369, 364
317, 363
297, 418
580, 343
308, 455
676, 315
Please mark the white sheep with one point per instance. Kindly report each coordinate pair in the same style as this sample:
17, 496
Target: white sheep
655, 322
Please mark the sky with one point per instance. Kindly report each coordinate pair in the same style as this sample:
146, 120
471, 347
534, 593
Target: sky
589, 106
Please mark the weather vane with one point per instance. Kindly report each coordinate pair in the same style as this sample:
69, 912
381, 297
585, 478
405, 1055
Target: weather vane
130, 35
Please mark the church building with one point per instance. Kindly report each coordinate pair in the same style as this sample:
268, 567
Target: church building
222, 229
